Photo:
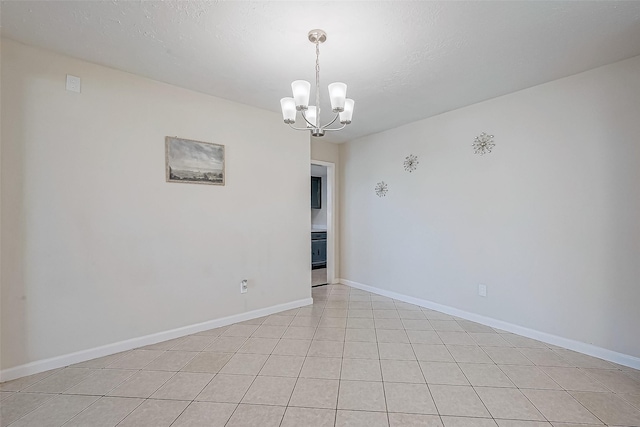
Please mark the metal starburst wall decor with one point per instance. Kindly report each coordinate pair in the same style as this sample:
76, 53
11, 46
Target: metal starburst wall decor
381, 189
483, 144
411, 163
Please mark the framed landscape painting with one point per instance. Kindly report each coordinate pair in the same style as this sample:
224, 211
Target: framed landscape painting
194, 162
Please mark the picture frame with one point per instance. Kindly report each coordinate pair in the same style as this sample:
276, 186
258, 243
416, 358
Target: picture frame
194, 162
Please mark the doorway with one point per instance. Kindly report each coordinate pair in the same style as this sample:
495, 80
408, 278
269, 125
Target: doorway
322, 223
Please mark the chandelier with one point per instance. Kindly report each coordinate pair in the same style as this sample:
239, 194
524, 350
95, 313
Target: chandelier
340, 104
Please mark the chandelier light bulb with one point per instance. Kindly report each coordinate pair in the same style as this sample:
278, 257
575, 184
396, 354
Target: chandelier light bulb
301, 90
337, 95
345, 116
310, 114
288, 110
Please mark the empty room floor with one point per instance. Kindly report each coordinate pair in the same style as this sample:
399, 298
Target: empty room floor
351, 359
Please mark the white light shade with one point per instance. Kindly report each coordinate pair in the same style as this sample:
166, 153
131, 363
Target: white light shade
301, 90
310, 114
345, 116
288, 110
337, 94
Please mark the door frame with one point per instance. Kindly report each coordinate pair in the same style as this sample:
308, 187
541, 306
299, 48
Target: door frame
331, 215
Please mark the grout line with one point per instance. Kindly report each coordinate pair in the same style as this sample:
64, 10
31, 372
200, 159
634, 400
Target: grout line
301, 367
254, 378
179, 415
425, 378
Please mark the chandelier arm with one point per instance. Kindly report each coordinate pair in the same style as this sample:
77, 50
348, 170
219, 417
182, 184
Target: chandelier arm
295, 128
331, 122
340, 128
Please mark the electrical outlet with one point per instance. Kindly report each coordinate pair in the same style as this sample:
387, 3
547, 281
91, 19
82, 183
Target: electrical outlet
244, 286
73, 83
482, 290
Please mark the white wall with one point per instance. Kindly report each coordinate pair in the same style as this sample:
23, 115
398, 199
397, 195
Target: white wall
98, 248
319, 216
325, 151
548, 221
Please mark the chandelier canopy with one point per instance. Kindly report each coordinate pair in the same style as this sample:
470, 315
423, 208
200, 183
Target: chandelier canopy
340, 104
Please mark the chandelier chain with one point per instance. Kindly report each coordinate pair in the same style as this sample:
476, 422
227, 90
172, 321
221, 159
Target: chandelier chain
317, 83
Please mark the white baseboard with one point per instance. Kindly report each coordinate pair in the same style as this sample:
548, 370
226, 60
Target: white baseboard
105, 350
581, 347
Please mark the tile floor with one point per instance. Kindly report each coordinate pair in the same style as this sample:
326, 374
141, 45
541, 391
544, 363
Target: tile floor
318, 276
351, 359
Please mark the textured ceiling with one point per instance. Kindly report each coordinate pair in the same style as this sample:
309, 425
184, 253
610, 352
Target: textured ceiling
402, 60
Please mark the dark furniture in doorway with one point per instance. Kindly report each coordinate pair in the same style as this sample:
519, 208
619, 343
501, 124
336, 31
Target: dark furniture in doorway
318, 249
